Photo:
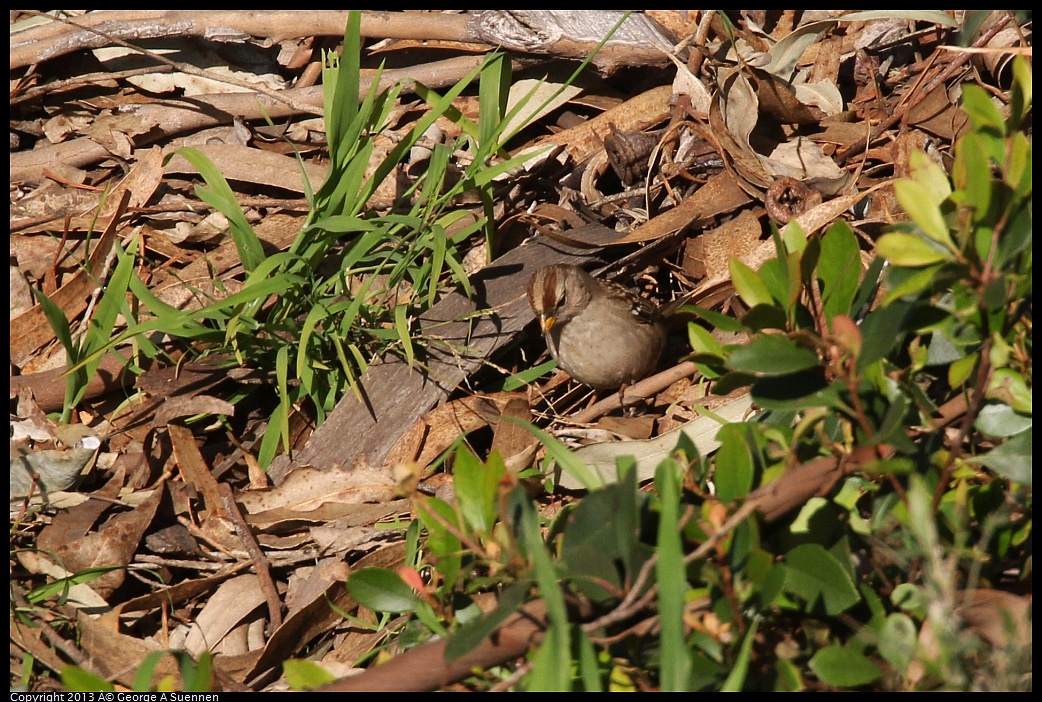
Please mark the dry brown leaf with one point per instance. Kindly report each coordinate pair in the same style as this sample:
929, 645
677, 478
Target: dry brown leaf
345, 514
805, 161
117, 656
251, 165
434, 432
777, 99
515, 443
113, 545
74, 523
306, 489
721, 194
316, 616
230, 604
177, 407
707, 256
308, 584
732, 118
193, 467
30, 330
635, 115
30, 640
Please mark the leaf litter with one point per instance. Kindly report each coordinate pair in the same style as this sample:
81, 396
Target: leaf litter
830, 102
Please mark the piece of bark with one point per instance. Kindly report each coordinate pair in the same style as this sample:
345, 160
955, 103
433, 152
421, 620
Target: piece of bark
48, 41
427, 668
635, 39
395, 395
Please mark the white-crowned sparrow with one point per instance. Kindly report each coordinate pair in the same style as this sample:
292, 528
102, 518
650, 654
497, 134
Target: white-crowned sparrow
601, 333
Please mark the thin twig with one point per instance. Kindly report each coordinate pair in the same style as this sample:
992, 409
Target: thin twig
260, 561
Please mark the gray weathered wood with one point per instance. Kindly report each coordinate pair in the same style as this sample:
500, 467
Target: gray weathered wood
457, 343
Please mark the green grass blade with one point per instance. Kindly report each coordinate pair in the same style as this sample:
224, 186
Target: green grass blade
672, 583
219, 195
552, 663
401, 325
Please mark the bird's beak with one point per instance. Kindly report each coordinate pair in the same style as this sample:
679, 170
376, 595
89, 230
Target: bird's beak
545, 322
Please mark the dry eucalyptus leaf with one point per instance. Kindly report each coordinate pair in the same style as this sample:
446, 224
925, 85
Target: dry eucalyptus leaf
118, 58
233, 601
55, 469
114, 544
601, 458
80, 595
309, 488
250, 165
540, 98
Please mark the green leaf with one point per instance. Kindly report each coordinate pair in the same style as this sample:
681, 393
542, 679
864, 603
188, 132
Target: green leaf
776, 277
522, 378
961, 369
76, 679
882, 329
493, 92
341, 80
305, 675
589, 667
197, 675
1011, 459
702, 342
1020, 94
909, 250
716, 319
1009, 386
748, 284
401, 325
599, 545
565, 459
471, 634
220, 196
793, 236
736, 678
897, 641
76, 379
734, 461
551, 665
760, 317
62, 585
477, 487
978, 190
381, 590
839, 267
920, 205
1001, 420
772, 355
843, 667
443, 527
113, 299
929, 174
983, 113
816, 576
798, 391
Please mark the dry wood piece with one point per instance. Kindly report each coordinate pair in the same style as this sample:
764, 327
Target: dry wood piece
50, 41
576, 34
426, 668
